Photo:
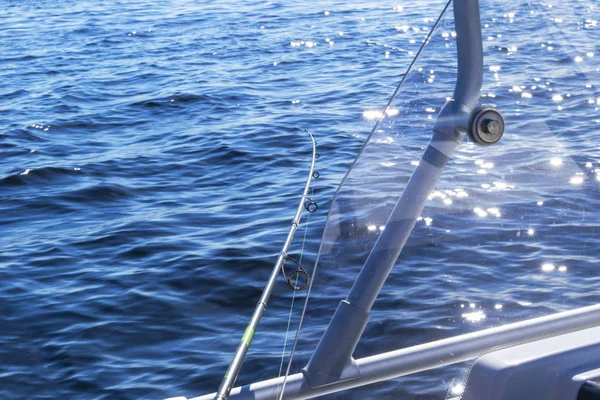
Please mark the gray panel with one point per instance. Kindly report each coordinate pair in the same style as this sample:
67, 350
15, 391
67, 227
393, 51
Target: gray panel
541, 369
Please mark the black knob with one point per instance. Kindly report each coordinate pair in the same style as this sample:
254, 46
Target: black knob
486, 126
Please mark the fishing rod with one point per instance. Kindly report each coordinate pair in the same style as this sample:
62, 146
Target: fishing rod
310, 206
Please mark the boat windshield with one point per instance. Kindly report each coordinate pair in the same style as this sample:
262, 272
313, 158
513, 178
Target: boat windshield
511, 230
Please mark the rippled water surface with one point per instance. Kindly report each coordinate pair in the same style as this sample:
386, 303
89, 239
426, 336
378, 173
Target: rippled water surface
153, 154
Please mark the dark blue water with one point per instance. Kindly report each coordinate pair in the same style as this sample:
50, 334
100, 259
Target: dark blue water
153, 155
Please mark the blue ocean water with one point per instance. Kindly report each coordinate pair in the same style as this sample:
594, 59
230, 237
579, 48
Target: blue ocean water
154, 154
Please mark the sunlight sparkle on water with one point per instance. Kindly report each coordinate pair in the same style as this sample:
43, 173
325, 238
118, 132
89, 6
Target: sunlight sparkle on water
475, 316
556, 161
480, 212
457, 389
502, 186
548, 267
372, 115
461, 193
530, 232
557, 97
562, 268
298, 43
495, 211
576, 180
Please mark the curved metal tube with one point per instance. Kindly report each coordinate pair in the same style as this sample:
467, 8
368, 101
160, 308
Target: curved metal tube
470, 52
453, 118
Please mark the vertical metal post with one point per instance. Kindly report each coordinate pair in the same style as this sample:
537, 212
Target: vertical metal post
332, 359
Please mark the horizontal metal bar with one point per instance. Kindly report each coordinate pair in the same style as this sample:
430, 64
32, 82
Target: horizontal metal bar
426, 356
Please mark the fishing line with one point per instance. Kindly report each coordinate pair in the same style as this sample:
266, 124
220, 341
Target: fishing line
296, 284
389, 103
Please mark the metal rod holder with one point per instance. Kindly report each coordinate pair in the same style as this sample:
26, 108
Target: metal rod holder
332, 359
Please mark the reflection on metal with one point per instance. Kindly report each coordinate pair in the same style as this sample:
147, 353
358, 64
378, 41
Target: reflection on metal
426, 356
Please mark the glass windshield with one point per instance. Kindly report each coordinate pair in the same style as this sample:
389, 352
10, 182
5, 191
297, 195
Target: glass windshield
510, 231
